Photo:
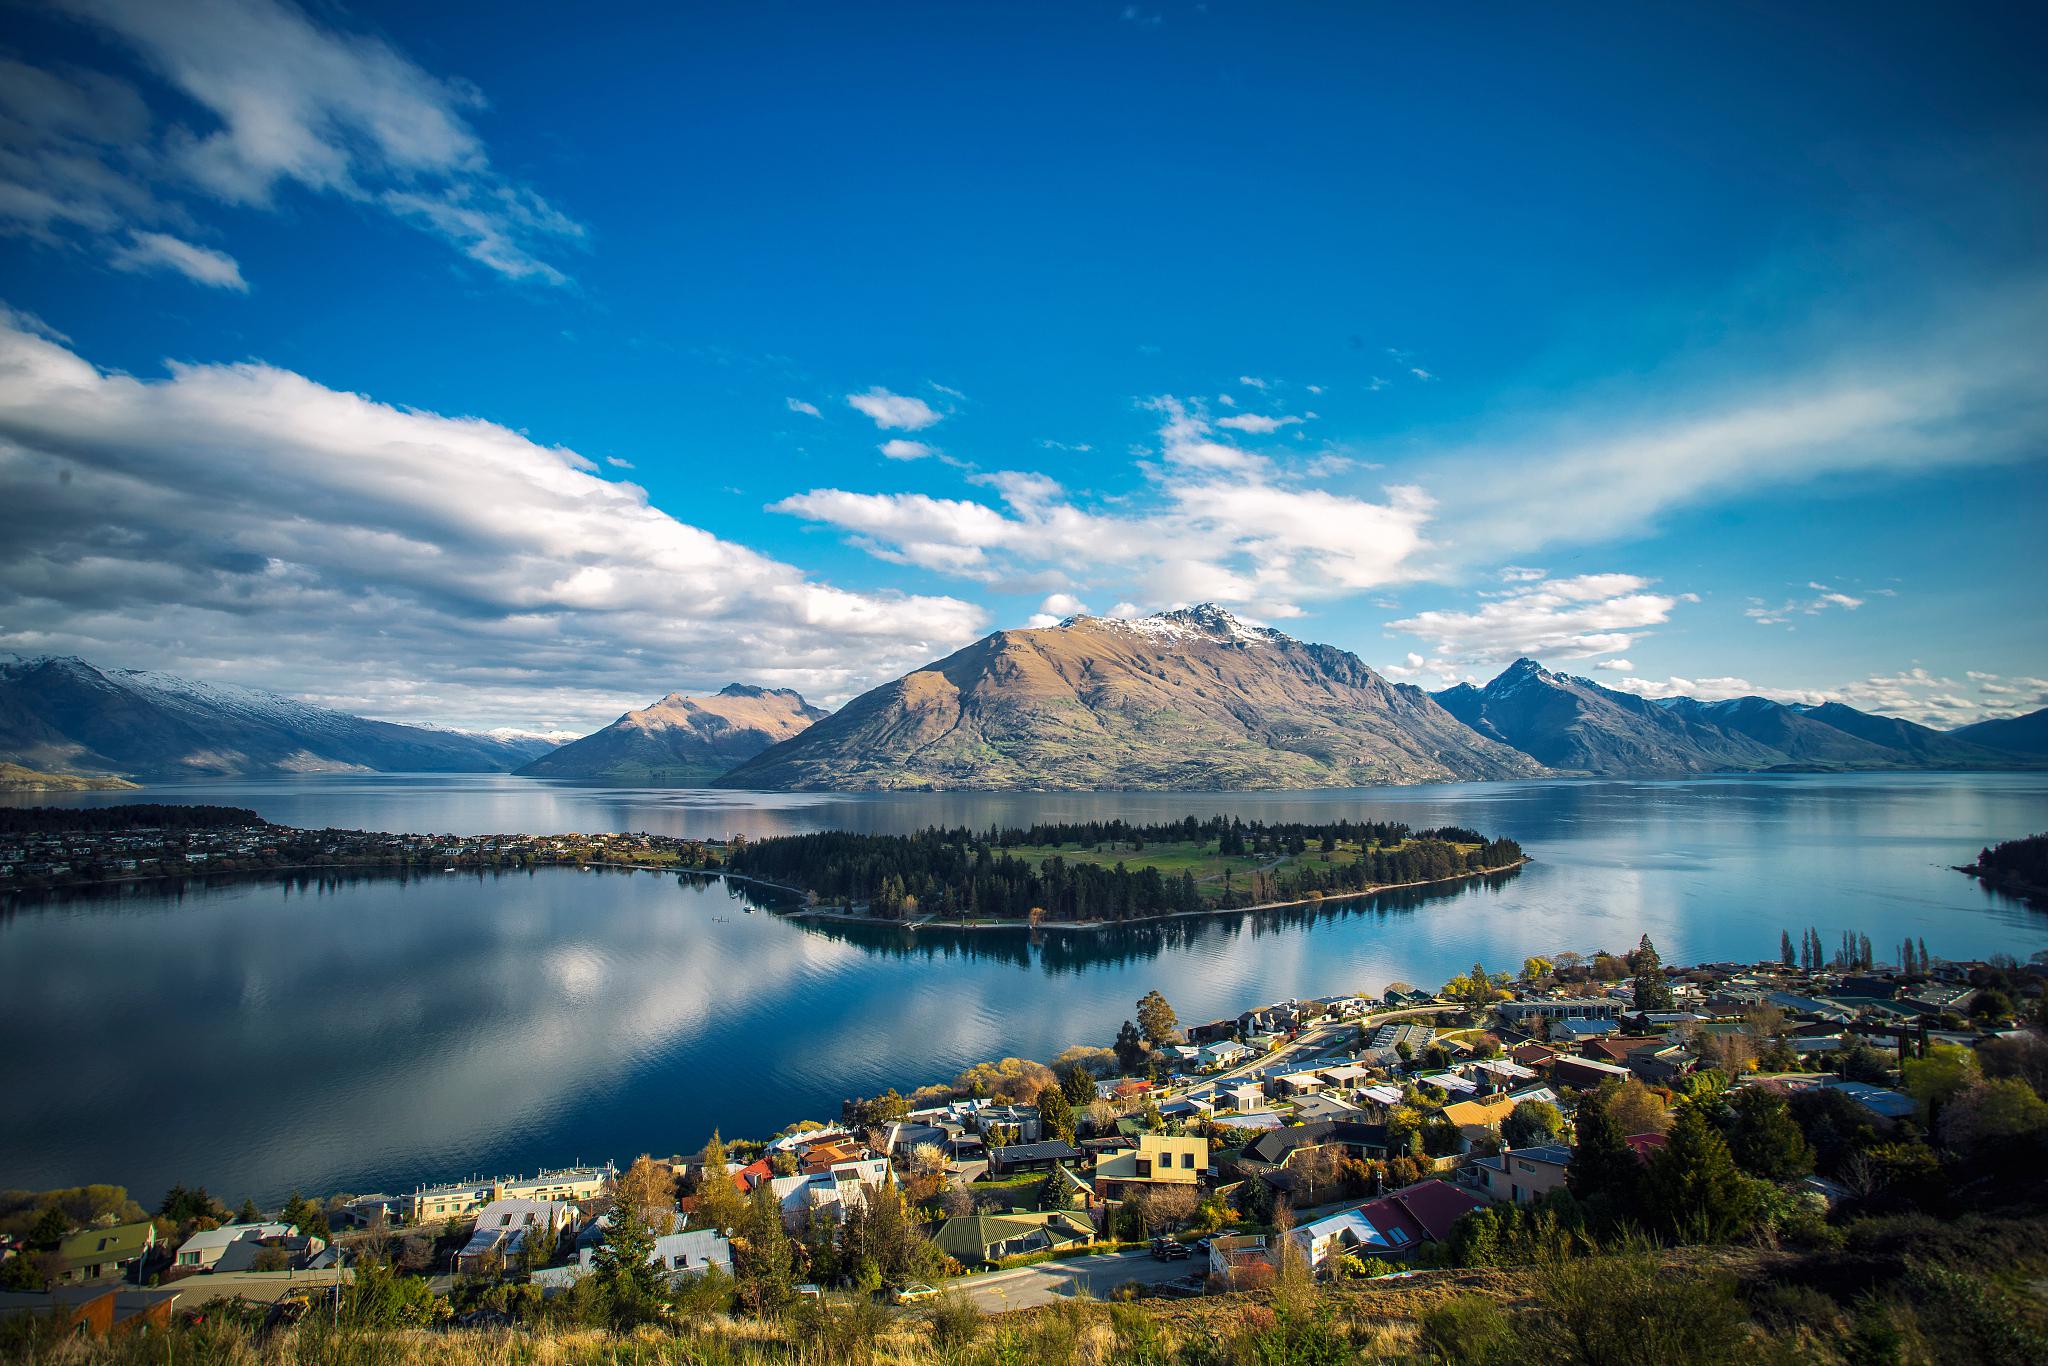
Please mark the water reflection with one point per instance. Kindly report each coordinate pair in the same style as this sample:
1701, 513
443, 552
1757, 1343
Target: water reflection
366, 1030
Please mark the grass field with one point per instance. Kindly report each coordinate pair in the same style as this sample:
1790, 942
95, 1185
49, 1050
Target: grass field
1199, 858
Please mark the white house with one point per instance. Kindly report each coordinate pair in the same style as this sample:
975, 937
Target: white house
691, 1252
503, 1226
203, 1249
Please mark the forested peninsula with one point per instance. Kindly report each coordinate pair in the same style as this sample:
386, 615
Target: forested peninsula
1109, 872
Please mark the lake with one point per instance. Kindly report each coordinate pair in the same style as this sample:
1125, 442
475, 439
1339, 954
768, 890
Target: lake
366, 1034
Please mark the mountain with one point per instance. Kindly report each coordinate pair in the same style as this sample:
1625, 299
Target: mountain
682, 739
65, 714
15, 778
2014, 735
1577, 725
1187, 700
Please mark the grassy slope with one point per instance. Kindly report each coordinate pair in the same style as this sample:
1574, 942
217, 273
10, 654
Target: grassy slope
1199, 858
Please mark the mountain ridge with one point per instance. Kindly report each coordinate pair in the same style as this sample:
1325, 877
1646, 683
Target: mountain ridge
1185, 700
680, 738
1576, 725
62, 713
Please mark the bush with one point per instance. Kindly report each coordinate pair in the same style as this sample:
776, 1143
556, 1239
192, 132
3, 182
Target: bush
1467, 1331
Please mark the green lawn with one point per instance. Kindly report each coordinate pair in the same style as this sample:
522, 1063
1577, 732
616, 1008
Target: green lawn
1174, 858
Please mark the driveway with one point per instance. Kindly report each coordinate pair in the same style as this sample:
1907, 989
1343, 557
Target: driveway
1030, 1286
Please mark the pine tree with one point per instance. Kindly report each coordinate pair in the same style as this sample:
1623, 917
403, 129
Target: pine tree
1786, 955
624, 1269
1604, 1171
1056, 1114
763, 1256
1763, 1137
1694, 1191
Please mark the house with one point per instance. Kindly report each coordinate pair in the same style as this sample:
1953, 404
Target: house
203, 1250
1236, 1255
1276, 1146
1031, 1157
1479, 1118
1556, 1008
1450, 1083
238, 1247
1158, 1160
1585, 1073
1501, 1072
1577, 1031
830, 1193
1244, 1096
1392, 1225
1300, 1083
434, 1204
1532, 1054
1326, 1107
1022, 1119
503, 1226
1345, 1076
1522, 1176
690, 1252
103, 1254
977, 1240
1223, 1054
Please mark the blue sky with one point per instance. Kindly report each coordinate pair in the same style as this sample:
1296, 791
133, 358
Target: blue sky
459, 365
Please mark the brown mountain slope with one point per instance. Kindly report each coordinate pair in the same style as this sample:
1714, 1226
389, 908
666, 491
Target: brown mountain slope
682, 739
1185, 700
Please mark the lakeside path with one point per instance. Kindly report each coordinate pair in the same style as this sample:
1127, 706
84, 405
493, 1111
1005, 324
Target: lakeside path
929, 922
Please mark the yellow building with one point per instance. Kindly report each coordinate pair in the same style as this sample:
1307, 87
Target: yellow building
1158, 1160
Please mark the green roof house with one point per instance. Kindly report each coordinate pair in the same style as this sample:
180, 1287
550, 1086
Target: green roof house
100, 1254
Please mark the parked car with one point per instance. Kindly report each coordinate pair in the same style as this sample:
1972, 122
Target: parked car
1172, 1252
912, 1293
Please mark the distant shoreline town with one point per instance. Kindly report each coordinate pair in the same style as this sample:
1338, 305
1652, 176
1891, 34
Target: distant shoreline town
1358, 1134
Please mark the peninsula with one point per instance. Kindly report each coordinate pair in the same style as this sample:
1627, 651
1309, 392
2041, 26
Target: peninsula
1101, 873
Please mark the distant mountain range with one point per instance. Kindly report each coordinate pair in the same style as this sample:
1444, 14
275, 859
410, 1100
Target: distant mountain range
1186, 700
1192, 699
63, 714
682, 739
1574, 725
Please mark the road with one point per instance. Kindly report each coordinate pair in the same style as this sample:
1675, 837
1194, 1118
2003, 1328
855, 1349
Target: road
1030, 1286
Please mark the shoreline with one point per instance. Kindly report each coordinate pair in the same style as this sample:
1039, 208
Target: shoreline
855, 918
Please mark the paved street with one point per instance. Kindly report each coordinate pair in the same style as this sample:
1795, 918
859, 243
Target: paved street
1030, 1286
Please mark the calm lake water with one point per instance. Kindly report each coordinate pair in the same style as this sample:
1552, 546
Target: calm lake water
367, 1034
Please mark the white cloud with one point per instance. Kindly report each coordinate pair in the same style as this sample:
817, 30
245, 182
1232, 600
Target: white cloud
896, 448
1970, 388
1573, 618
1063, 605
1253, 383
1915, 694
1253, 422
1765, 615
281, 100
160, 251
1215, 522
247, 523
894, 410
618, 464
1616, 666
1517, 573
797, 405
1412, 667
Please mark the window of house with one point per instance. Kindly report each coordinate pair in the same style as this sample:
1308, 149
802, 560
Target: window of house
1187, 1160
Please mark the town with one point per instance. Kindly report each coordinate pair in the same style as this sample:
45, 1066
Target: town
49, 848
1352, 1140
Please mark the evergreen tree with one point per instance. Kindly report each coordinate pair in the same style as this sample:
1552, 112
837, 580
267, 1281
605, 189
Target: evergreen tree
624, 1270
1786, 954
764, 1258
1763, 1137
1156, 1018
1056, 1114
1077, 1084
248, 1213
1129, 1047
1604, 1172
49, 1229
1694, 1191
